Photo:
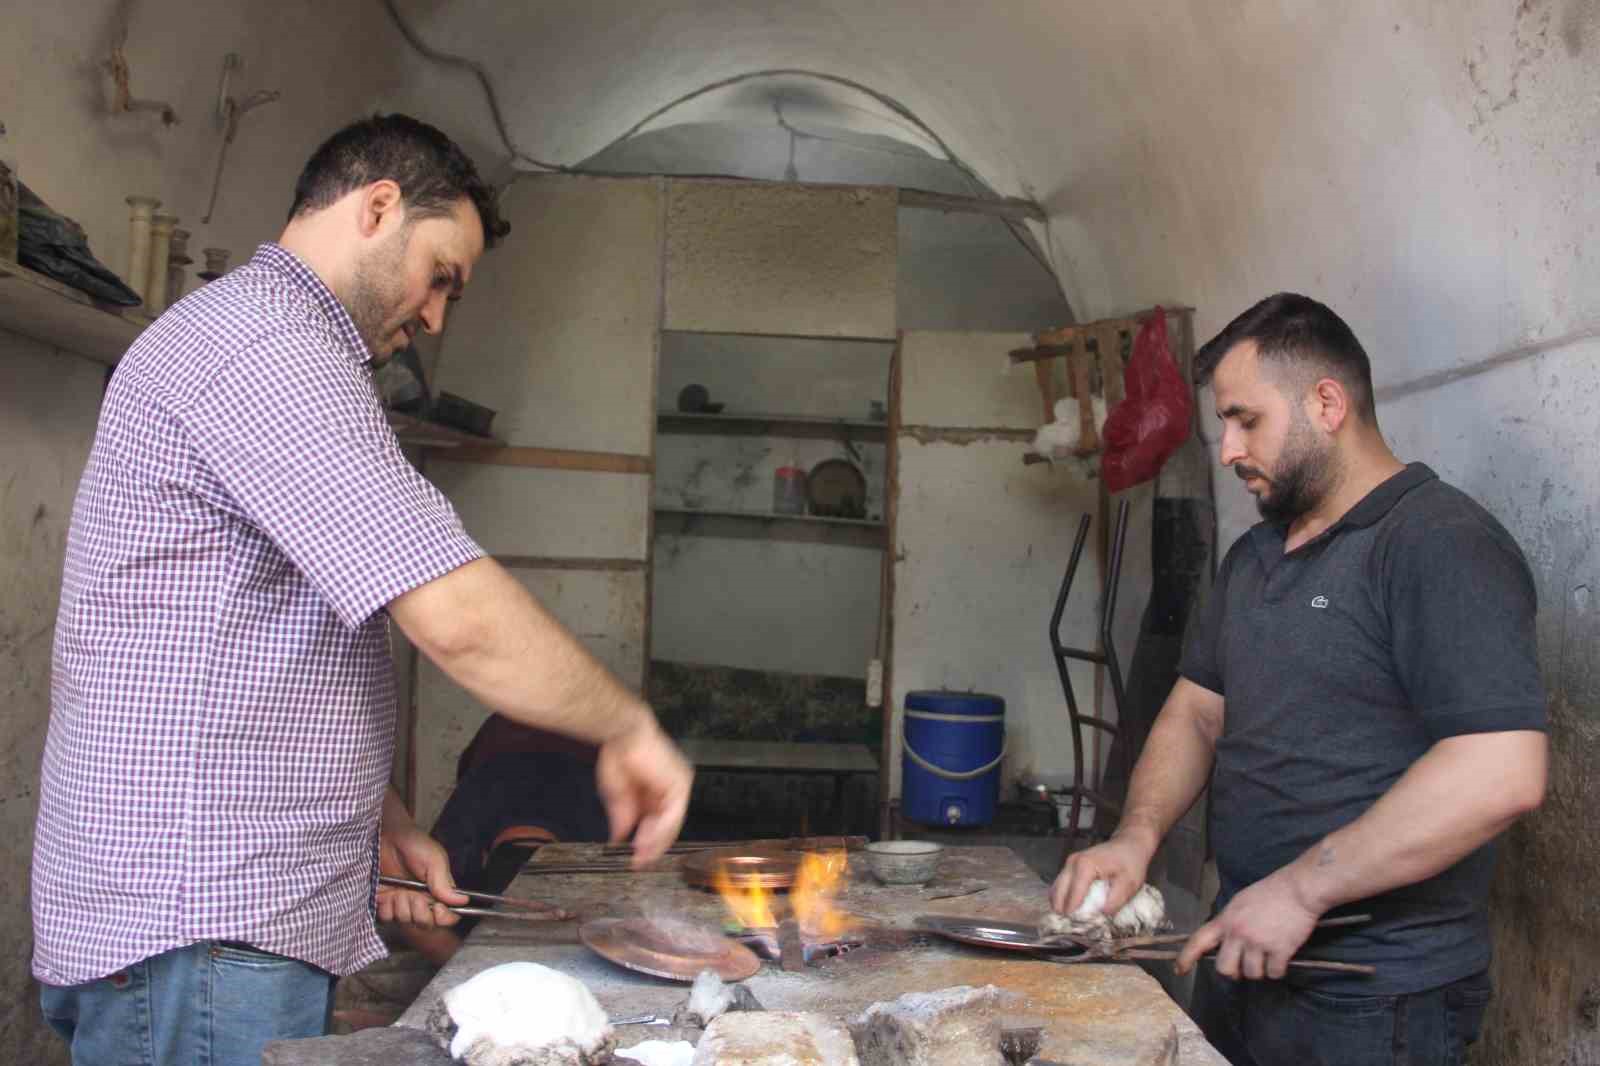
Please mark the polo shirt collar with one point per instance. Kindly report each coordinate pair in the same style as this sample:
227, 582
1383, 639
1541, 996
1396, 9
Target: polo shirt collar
281, 261
1369, 509
1381, 500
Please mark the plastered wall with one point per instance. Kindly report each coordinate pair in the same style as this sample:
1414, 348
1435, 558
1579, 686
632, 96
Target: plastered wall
563, 342
981, 544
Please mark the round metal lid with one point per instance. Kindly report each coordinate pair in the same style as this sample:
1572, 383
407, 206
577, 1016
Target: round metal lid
677, 951
775, 873
985, 933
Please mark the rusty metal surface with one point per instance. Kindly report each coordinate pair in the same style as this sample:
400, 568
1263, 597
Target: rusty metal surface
1092, 1013
661, 949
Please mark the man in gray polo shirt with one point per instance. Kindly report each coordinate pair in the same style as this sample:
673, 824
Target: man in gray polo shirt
1363, 696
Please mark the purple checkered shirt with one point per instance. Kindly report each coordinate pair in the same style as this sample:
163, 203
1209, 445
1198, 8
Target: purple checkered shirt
223, 708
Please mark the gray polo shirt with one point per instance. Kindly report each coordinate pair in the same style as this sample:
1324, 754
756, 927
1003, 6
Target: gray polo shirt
1410, 620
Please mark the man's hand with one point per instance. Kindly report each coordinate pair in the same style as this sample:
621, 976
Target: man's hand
406, 851
1259, 931
644, 782
1120, 862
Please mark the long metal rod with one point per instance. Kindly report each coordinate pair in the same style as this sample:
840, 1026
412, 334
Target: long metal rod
1108, 641
1107, 657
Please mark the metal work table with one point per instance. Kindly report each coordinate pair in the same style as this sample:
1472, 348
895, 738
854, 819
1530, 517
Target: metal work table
1105, 1014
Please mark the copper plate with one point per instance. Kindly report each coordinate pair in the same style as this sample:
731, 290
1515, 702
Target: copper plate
661, 950
775, 873
1007, 936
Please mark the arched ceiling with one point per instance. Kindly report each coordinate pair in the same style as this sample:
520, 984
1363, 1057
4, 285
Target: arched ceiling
1429, 167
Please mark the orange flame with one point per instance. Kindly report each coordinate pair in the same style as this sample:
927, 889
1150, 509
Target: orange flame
748, 904
818, 882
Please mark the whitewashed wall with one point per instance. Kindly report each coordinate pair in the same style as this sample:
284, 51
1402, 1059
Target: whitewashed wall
561, 339
981, 544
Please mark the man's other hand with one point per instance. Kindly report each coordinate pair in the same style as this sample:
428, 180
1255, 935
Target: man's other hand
1120, 862
644, 782
1257, 933
408, 852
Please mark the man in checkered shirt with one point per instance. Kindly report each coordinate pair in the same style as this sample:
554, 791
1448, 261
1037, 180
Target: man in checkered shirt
223, 710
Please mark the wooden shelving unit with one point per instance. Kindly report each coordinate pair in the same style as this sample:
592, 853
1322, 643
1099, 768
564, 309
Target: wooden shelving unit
772, 425
49, 312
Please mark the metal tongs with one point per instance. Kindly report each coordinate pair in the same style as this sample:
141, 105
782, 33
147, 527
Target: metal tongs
1146, 947
523, 910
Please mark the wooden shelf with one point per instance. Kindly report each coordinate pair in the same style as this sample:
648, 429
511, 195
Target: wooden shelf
52, 313
421, 433
772, 425
861, 532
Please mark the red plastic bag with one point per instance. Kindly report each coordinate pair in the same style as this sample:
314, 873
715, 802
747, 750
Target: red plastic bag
1152, 421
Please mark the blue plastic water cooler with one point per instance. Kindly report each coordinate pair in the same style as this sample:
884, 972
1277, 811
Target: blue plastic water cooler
953, 746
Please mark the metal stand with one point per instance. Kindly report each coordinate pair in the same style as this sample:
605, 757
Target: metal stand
1108, 658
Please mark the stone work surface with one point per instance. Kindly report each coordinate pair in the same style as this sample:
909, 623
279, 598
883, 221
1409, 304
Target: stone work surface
775, 1038
370, 1047
1110, 1015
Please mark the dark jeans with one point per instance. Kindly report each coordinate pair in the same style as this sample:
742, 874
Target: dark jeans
1272, 1023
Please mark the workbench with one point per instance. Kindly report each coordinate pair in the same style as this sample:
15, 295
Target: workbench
1109, 1015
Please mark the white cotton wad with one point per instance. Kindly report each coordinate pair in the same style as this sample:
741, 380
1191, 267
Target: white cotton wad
1145, 913
1060, 439
659, 1053
1093, 903
521, 1012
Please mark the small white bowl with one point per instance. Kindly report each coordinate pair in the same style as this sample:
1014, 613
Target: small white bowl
904, 862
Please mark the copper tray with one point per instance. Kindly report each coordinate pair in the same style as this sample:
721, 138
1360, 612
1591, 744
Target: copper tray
659, 949
773, 872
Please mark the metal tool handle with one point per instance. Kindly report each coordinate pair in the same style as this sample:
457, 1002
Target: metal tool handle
404, 882
489, 897
1179, 938
554, 914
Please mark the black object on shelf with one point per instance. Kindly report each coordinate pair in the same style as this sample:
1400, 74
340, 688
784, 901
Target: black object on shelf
696, 400
1095, 794
58, 248
451, 410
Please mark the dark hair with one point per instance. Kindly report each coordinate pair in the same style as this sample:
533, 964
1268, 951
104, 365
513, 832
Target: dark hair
433, 173
1292, 329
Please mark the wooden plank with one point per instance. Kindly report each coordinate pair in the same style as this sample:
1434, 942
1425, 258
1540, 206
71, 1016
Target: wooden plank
761, 525
567, 562
52, 313
552, 459
772, 425
1054, 343
1008, 207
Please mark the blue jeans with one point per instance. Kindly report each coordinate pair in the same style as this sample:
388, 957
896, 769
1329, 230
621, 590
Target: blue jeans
213, 1003
1273, 1023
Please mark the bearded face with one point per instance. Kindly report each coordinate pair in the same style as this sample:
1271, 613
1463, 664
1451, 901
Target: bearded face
1300, 477
377, 298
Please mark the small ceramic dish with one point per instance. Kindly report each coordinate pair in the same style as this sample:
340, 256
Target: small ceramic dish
904, 862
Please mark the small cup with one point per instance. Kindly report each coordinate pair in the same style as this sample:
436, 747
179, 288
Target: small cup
904, 862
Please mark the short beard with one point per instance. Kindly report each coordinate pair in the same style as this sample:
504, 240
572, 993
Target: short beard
1304, 476
377, 289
